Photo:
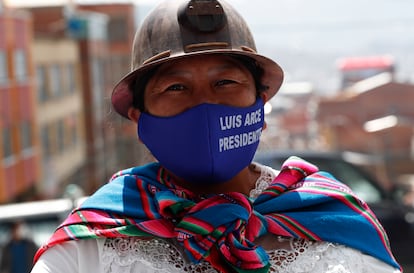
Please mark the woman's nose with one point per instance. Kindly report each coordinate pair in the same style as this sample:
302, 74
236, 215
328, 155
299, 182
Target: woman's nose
206, 94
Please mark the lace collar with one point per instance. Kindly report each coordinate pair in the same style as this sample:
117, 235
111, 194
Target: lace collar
266, 177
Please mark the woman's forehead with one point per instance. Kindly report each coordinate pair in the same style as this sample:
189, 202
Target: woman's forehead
194, 63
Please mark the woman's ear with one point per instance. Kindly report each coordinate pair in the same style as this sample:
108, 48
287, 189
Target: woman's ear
133, 114
263, 96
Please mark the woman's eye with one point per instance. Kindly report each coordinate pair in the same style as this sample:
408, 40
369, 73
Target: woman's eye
175, 87
224, 82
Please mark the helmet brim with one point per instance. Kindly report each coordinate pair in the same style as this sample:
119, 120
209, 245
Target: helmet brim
122, 97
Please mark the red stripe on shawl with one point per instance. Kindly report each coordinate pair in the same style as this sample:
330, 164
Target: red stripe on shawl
95, 216
233, 197
254, 228
192, 221
276, 228
145, 201
299, 230
158, 227
62, 233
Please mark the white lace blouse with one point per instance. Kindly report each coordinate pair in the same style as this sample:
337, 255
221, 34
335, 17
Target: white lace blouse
134, 255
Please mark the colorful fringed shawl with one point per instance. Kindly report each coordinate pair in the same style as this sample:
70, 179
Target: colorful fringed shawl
300, 203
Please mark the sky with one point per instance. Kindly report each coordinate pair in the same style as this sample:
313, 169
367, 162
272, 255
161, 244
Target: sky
307, 37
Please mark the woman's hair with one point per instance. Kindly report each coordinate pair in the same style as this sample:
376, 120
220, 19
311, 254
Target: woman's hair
138, 86
255, 69
138, 89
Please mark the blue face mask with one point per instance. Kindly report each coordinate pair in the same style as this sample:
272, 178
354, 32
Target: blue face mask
209, 143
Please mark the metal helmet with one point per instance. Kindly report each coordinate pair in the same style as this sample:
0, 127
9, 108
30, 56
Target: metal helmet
181, 28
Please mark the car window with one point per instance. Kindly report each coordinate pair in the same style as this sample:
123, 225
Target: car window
350, 175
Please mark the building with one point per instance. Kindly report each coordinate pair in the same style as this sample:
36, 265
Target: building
122, 21
290, 118
77, 55
60, 111
120, 34
19, 149
355, 69
374, 116
86, 34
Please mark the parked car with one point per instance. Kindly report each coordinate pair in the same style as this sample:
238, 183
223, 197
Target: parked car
396, 218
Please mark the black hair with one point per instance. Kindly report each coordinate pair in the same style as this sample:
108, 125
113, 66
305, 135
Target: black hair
255, 69
137, 86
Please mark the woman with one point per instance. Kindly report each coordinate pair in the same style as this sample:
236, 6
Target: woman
196, 92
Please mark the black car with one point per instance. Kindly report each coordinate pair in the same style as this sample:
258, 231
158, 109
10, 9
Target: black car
396, 218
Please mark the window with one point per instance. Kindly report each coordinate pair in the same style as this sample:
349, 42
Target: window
71, 123
60, 134
71, 77
55, 77
45, 139
117, 30
41, 85
3, 67
98, 87
20, 65
26, 135
7, 142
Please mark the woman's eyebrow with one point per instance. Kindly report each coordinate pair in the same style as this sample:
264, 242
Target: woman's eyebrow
175, 72
225, 67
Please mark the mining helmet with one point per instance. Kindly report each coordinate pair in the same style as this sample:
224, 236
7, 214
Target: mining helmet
177, 29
